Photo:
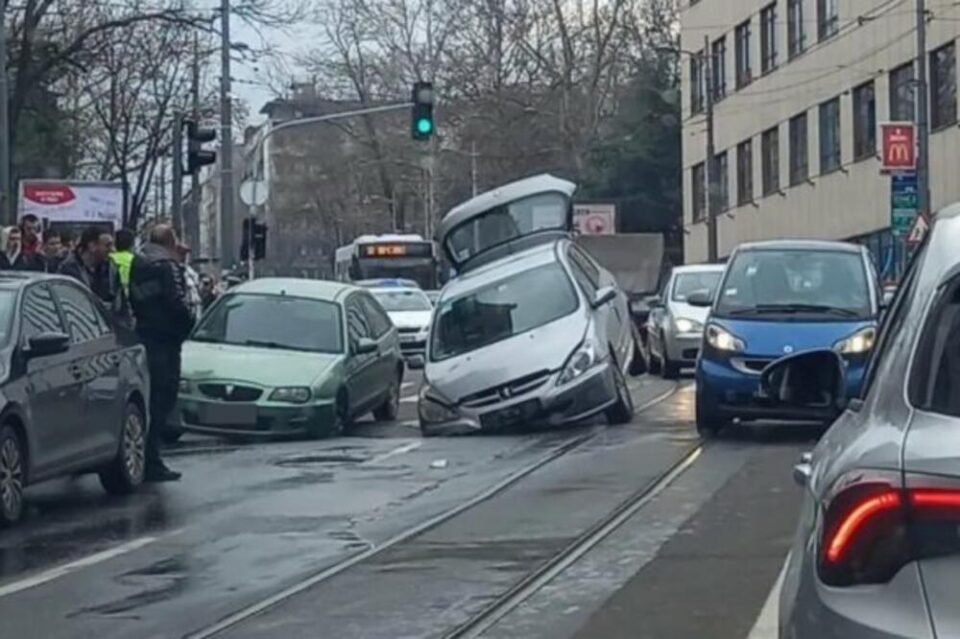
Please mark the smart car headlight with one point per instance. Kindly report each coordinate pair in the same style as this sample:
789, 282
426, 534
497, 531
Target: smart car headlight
860, 342
724, 340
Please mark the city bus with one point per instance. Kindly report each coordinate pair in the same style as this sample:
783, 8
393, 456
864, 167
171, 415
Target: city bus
389, 256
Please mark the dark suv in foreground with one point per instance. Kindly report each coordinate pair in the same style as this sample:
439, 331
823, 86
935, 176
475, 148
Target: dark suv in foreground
73, 390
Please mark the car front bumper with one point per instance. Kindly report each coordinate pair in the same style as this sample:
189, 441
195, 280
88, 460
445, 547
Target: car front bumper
683, 347
728, 392
548, 405
266, 419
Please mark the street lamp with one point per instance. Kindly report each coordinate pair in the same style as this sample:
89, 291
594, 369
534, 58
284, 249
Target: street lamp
711, 178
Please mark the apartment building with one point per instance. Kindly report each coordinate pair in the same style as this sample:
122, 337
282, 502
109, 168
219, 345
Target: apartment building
799, 87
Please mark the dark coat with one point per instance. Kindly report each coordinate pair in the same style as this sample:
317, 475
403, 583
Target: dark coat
23, 262
158, 293
103, 281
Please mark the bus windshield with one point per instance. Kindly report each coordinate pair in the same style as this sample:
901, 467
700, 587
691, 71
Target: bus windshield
389, 257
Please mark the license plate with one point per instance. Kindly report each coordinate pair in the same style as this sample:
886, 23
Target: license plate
228, 414
512, 415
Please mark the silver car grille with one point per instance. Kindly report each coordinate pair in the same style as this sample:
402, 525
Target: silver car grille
513, 388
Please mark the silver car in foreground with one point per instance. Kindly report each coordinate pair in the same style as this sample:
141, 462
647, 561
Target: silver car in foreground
532, 331
877, 552
674, 326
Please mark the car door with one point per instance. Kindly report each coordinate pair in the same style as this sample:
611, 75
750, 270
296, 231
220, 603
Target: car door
52, 387
659, 316
612, 316
97, 356
388, 351
361, 367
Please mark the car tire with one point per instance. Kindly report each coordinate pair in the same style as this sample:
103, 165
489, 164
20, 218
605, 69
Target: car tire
668, 368
428, 431
12, 476
390, 408
621, 412
126, 472
709, 426
638, 365
653, 364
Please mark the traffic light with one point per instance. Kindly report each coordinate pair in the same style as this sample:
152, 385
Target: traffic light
258, 236
421, 126
197, 156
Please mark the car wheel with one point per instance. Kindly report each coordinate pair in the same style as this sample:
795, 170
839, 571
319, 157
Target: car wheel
622, 410
12, 469
638, 365
669, 368
653, 364
390, 408
125, 473
709, 425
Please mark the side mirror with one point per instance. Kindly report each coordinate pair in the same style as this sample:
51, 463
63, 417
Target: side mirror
48, 344
703, 299
811, 383
364, 345
604, 295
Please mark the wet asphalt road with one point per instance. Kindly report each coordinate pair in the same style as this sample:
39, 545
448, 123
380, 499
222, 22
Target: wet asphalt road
252, 520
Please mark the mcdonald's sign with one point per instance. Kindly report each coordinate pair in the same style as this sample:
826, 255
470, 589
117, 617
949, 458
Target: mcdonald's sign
898, 141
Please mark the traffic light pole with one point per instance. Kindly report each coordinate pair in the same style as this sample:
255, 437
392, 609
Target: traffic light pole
177, 187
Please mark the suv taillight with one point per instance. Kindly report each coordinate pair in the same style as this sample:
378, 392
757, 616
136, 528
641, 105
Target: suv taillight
873, 527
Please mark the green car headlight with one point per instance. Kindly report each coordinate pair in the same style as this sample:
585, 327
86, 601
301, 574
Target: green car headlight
291, 394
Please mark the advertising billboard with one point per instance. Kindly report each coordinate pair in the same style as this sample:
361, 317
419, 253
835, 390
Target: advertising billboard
72, 202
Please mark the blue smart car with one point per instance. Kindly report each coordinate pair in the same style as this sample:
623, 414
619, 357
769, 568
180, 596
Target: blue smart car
778, 298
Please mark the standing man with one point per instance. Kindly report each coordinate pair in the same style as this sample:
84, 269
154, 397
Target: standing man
89, 264
30, 232
158, 290
52, 251
122, 257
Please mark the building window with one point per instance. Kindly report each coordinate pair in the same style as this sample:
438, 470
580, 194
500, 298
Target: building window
745, 172
796, 33
828, 18
770, 160
902, 93
768, 38
742, 47
799, 153
718, 68
830, 136
723, 181
696, 84
943, 87
698, 192
864, 122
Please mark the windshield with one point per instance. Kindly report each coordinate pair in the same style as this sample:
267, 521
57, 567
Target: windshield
274, 321
687, 283
501, 310
544, 211
796, 282
403, 299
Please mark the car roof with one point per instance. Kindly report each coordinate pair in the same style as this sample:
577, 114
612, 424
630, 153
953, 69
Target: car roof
516, 262
19, 279
296, 287
801, 245
543, 183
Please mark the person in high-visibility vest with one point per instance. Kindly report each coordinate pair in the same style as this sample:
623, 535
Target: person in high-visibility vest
122, 256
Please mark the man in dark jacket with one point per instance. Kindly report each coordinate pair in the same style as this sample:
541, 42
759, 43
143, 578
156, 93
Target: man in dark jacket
90, 265
158, 291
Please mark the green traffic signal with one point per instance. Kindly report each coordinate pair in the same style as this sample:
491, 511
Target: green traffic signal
424, 126
421, 122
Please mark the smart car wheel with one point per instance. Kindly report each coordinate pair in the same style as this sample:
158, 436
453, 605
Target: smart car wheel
125, 473
12, 468
709, 424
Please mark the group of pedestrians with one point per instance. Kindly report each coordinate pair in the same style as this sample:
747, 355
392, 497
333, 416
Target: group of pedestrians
153, 292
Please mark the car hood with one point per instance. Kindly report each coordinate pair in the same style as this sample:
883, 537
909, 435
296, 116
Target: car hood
543, 348
777, 338
410, 319
683, 310
261, 366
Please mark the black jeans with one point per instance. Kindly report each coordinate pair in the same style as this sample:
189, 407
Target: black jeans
163, 360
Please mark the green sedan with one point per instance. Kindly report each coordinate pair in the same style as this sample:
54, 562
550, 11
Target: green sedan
280, 356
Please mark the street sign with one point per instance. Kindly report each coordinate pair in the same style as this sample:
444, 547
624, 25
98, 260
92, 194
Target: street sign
595, 219
904, 202
918, 231
254, 192
898, 143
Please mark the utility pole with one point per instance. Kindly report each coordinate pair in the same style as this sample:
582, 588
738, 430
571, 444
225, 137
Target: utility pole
6, 211
227, 248
709, 165
193, 207
473, 166
922, 115
177, 188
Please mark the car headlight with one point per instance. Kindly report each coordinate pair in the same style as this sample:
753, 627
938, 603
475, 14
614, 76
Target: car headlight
578, 363
723, 340
685, 325
291, 394
860, 342
185, 386
433, 409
